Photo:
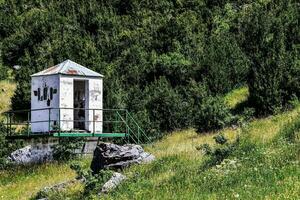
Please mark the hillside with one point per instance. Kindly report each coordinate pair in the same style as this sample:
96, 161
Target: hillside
213, 84
7, 89
265, 166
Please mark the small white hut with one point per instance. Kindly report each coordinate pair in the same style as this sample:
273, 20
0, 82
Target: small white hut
68, 97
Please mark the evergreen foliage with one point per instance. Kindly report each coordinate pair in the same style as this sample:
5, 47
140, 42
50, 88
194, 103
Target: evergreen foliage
168, 62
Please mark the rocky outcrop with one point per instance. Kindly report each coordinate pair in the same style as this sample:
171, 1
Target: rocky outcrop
31, 154
112, 156
112, 183
43, 193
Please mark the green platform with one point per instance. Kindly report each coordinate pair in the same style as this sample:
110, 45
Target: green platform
116, 123
78, 134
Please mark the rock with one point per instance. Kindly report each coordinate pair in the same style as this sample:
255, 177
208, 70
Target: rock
31, 154
113, 182
112, 156
43, 193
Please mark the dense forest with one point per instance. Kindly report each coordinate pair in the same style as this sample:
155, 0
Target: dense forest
168, 61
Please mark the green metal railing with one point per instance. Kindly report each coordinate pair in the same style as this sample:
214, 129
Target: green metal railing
112, 123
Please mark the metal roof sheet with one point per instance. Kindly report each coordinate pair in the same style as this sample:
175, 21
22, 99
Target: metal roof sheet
68, 67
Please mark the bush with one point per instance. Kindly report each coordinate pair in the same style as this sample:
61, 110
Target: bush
21, 98
212, 114
92, 182
270, 45
65, 149
164, 105
6, 147
216, 155
3, 72
226, 66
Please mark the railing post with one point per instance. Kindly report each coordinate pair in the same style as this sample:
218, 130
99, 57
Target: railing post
59, 122
10, 124
28, 116
126, 123
49, 118
138, 135
6, 124
93, 122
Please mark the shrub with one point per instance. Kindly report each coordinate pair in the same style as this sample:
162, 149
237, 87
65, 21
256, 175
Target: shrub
270, 45
21, 98
216, 155
6, 147
65, 149
92, 182
212, 114
163, 105
220, 139
3, 72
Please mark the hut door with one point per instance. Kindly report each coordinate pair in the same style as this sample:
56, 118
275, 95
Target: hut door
79, 104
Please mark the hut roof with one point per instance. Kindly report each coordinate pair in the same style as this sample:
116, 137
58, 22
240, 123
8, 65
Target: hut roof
68, 67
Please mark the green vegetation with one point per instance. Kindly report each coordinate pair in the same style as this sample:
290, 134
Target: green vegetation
24, 182
237, 96
7, 89
161, 58
262, 164
268, 169
175, 65
262, 170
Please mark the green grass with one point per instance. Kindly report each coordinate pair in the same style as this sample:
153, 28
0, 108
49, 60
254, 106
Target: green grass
25, 182
267, 166
266, 169
236, 96
7, 89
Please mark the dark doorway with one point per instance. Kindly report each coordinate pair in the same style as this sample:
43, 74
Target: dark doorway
79, 104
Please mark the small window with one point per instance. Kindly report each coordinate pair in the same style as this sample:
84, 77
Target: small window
39, 94
45, 93
51, 93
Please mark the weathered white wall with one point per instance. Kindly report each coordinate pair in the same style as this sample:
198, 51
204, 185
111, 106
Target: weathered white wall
66, 101
94, 98
95, 101
43, 115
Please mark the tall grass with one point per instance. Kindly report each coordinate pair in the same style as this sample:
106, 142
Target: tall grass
25, 181
7, 89
260, 171
265, 165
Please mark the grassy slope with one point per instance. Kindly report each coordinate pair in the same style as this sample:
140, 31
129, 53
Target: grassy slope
25, 182
263, 173
22, 183
271, 171
7, 89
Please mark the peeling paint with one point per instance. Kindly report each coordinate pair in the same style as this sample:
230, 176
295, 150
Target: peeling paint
51, 89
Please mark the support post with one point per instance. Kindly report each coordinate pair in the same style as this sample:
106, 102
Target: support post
59, 122
49, 124
126, 123
94, 123
10, 124
138, 135
7, 128
28, 116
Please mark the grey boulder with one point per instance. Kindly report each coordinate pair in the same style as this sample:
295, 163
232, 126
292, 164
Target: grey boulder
31, 154
112, 156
